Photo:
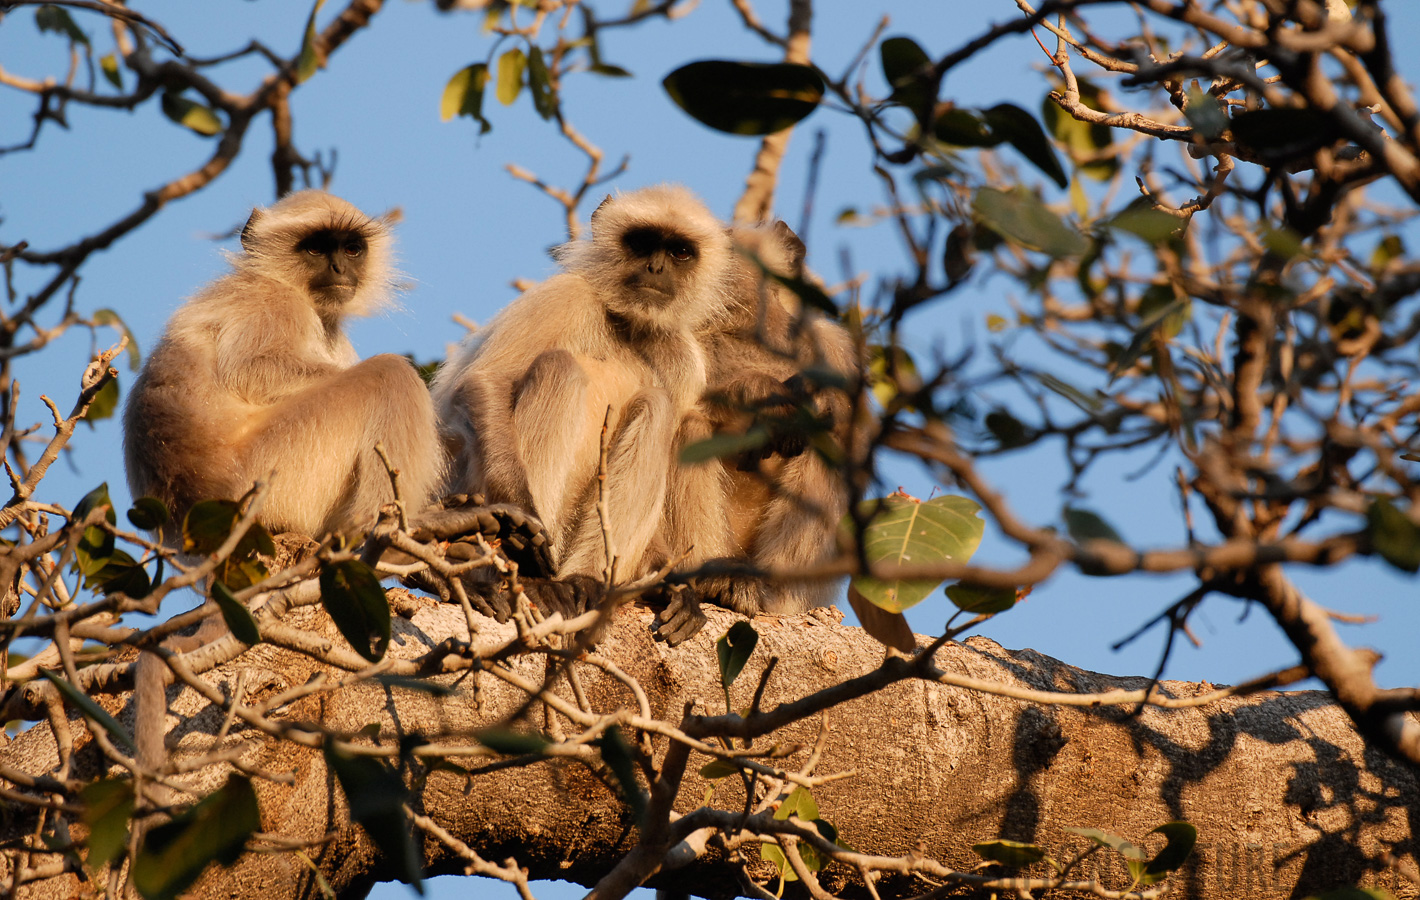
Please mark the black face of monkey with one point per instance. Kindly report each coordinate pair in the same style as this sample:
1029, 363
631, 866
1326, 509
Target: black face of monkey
658, 261
335, 261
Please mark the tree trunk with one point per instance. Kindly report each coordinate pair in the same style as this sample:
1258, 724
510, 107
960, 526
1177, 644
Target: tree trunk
1286, 798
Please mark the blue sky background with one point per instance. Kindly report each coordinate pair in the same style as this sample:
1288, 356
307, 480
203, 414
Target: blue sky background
470, 229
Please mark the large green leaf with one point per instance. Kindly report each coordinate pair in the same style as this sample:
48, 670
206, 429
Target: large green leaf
95, 545
377, 795
1020, 216
350, 591
175, 853
56, 19
745, 98
108, 805
733, 650
191, 114
907, 69
90, 709
1020, 128
1393, 535
309, 60
1009, 853
206, 528
617, 757
238, 618
463, 96
511, 66
906, 530
540, 84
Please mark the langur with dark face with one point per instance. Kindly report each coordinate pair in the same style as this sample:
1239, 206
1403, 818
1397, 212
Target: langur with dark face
523, 402
771, 364
254, 377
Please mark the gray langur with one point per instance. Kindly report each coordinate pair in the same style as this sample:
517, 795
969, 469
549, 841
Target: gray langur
254, 376
770, 363
522, 403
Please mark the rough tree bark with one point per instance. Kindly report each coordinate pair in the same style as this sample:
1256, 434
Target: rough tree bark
1285, 796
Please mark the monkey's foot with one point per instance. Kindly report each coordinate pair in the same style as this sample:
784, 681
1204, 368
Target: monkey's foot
571, 596
738, 593
519, 534
682, 618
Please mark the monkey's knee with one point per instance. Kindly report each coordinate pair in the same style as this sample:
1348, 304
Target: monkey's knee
554, 373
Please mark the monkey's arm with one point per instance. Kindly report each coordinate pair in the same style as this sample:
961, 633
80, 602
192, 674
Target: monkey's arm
269, 354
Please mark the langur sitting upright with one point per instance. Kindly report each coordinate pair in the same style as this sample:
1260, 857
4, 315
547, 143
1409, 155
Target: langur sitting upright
522, 403
254, 376
776, 507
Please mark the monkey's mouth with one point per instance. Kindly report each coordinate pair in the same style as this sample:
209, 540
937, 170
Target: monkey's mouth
652, 289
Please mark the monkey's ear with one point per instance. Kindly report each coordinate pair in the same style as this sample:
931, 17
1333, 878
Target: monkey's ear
605, 201
249, 229
793, 247
392, 216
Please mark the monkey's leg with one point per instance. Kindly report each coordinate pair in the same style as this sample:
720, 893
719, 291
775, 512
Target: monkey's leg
400, 417
639, 458
556, 436
798, 531
320, 443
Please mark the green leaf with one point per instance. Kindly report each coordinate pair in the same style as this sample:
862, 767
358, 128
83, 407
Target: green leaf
800, 802
103, 404
617, 757
733, 650
512, 743
350, 591
191, 114
1112, 841
745, 98
463, 96
1206, 113
1181, 837
1009, 853
1145, 221
540, 83
1390, 248
908, 71
718, 768
510, 75
964, 128
56, 19
175, 853
1279, 135
149, 513
1393, 535
888, 382
108, 805
208, 525
1020, 128
1020, 216
238, 618
108, 64
95, 546
418, 685
1085, 142
1008, 431
609, 70
906, 530
724, 444
979, 600
121, 574
309, 60
1084, 526
1167, 320
112, 319
90, 709
376, 796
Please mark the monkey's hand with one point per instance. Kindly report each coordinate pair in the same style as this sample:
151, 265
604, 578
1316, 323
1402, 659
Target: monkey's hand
519, 534
682, 618
737, 593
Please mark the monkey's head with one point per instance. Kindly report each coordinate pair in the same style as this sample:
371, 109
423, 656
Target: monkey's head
325, 248
658, 258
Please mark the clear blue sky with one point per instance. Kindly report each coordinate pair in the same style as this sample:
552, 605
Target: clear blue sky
470, 229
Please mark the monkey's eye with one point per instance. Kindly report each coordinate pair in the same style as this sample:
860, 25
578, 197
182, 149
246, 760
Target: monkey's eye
319, 244
354, 248
642, 242
679, 252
